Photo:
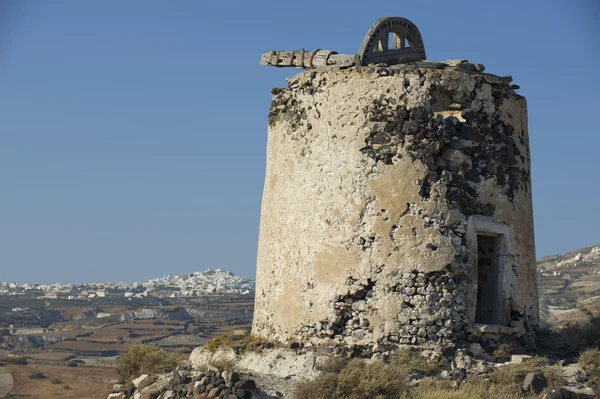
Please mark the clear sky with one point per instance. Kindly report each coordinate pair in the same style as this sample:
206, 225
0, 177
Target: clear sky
133, 133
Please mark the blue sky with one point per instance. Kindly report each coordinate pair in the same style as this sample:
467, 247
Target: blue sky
133, 134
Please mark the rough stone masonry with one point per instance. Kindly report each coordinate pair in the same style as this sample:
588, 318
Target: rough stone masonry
396, 208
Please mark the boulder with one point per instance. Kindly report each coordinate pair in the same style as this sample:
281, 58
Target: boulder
462, 361
519, 358
119, 388
534, 383
570, 393
143, 381
475, 349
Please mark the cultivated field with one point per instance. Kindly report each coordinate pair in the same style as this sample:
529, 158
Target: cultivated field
61, 382
95, 343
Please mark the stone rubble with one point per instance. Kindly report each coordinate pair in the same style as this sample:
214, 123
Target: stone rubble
185, 382
260, 376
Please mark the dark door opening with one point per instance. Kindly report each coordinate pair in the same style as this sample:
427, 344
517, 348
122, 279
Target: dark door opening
487, 279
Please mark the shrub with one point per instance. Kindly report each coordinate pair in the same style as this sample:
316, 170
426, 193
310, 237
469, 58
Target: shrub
19, 361
56, 381
589, 360
504, 351
66, 387
36, 375
354, 379
322, 387
333, 364
410, 361
571, 338
72, 364
514, 373
475, 389
145, 359
361, 380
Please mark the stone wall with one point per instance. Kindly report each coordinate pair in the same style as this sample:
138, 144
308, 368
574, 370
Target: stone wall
373, 178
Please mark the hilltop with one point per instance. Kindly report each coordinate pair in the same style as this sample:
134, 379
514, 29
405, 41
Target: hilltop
569, 285
187, 285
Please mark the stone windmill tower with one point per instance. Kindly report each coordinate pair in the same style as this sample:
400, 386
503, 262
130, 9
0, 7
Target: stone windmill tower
397, 199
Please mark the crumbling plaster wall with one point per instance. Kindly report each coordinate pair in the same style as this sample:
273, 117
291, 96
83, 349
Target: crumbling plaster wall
371, 176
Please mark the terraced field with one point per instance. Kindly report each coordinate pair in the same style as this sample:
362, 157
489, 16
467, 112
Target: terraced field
569, 285
95, 343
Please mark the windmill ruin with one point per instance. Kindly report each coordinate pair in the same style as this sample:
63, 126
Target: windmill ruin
397, 200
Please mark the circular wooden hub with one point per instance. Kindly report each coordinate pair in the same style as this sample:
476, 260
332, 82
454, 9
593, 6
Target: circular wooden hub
391, 40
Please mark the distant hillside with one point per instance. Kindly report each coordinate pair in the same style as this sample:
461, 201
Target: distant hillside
568, 284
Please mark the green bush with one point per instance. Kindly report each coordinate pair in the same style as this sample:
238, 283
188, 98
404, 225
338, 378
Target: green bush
56, 381
72, 364
145, 359
36, 375
19, 360
66, 387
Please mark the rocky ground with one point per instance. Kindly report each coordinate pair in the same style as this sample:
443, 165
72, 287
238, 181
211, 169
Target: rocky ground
6, 381
185, 382
568, 285
273, 373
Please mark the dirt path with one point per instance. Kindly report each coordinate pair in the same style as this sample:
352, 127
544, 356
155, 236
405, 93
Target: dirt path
6, 381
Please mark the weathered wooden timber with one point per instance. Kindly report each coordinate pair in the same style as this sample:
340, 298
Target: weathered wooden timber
306, 60
390, 40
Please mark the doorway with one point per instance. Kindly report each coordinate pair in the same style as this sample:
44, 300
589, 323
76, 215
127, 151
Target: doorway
487, 279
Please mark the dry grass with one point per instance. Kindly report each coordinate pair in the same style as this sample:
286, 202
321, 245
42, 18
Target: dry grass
356, 379
46, 355
142, 330
360, 379
477, 389
248, 343
85, 382
514, 373
224, 364
410, 361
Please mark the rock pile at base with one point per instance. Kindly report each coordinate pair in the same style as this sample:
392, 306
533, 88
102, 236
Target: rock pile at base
274, 373
186, 383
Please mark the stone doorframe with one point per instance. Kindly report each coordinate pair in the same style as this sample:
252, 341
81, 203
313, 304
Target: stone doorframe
485, 225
